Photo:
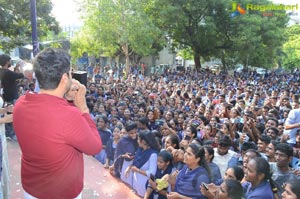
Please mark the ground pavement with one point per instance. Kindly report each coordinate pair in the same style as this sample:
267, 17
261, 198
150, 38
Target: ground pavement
98, 184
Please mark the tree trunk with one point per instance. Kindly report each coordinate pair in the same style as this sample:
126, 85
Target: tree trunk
126, 53
138, 59
197, 60
224, 64
127, 65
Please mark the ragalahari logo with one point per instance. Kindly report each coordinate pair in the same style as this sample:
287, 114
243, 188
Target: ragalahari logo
265, 9
237, 10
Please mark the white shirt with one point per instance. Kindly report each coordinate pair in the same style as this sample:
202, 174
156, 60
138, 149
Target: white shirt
222, 160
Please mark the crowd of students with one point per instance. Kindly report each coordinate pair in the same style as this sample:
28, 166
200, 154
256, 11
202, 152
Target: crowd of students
200, 134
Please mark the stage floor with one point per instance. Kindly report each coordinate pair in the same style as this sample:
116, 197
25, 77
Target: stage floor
98, 183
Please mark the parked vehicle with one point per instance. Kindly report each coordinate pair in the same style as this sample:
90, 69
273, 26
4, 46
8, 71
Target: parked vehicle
261, 71
215, 68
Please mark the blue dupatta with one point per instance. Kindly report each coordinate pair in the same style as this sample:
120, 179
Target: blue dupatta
142, 156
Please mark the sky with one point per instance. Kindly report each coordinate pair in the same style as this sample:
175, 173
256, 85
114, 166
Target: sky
66, 12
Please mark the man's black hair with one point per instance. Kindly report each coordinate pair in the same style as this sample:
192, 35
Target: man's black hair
49, 67
4, 59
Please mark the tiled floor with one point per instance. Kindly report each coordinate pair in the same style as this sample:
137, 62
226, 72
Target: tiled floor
98, 184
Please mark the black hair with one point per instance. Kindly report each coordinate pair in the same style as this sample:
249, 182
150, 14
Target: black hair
166, 156
275, 143
222, 95
116, 127
295, 184
285, 148
248, 145
265, 138
233, 102
4, 59
257, 154
238, 172
262, 166
210, 151
130, 125
199, 152
197, 141
49, 67
194, 131
149, 138
204, 119
198, 100
143, 120
90, 105
115, 117
157, 133
273, 129
227, 126
216, 118
234, 189
186, 95
210, 126
175, 140
273, 119
103, 117
267, 107
274, 111
225, 140
142, 105
171, 112
243, 101
260, 127
159, 142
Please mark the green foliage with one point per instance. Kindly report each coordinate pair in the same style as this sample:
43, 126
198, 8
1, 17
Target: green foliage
15, 24
186, 53
258, 38
292, 48
114, 26
85, 42
207, 28
188, 23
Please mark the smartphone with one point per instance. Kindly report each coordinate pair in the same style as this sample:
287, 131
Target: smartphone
237, 120
7, 105
159, 122
241, 120
219, 125
131, 155
196, 123
152, 177
205, 186
246, 137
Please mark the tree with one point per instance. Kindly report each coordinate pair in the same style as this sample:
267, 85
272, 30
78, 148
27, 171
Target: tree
84, 42
121, 25
258, 38
291, 48
188, 23
208, 28
15, 25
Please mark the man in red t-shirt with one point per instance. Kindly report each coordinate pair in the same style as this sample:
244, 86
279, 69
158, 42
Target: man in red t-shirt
52, 132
